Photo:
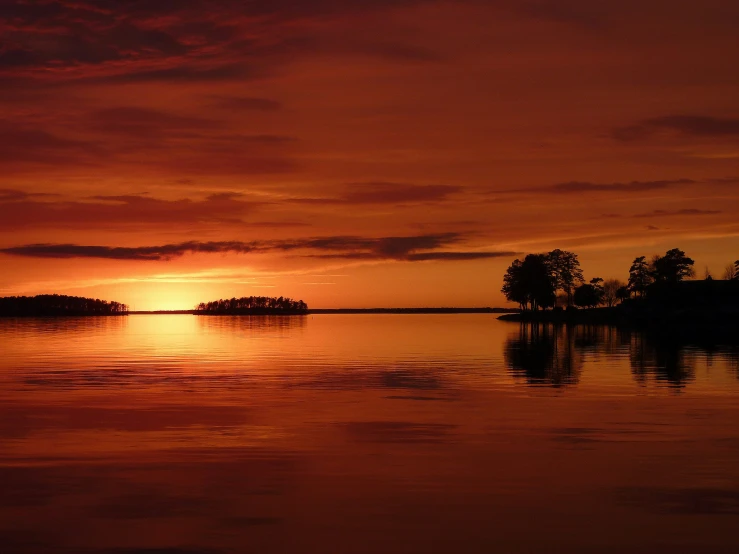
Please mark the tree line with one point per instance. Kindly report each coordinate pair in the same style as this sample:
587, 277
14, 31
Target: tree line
534, 282
253, 305
57, 304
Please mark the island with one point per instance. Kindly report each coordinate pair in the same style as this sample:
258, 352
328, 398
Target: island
56, 305
253, 305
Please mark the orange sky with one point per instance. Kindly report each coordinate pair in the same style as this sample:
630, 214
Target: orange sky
366, 153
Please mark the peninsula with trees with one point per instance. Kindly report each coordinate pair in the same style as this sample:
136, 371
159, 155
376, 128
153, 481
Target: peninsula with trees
550, 287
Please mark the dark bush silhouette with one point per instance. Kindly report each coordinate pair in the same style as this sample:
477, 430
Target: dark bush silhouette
585, 296
710, 295
589, 295
623, 294
58, 305
253, 305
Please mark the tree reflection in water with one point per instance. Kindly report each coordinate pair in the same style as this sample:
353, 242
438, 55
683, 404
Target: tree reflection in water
662, 358
543, 354
553, 355
732, 355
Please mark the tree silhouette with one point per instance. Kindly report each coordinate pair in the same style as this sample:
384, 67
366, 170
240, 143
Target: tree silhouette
565, 267
610, 291
640, 276
514, 287
530, 283
673, 267
730, 271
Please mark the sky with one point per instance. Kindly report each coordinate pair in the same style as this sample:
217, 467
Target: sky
359, 154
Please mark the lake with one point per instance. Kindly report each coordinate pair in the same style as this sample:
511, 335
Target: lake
154, 434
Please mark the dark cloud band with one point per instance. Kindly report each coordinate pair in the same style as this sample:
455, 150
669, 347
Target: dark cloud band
411, 248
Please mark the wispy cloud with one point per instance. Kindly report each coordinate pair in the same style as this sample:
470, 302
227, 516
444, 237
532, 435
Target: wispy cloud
684, 212
687, 125
243, 103
386, 193
23, 210
14, 195
579, 187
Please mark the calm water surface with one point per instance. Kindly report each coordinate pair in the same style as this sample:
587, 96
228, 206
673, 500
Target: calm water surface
363, 434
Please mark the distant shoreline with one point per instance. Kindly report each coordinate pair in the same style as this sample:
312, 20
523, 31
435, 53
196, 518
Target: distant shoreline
347, 311
413, 311
318, 311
